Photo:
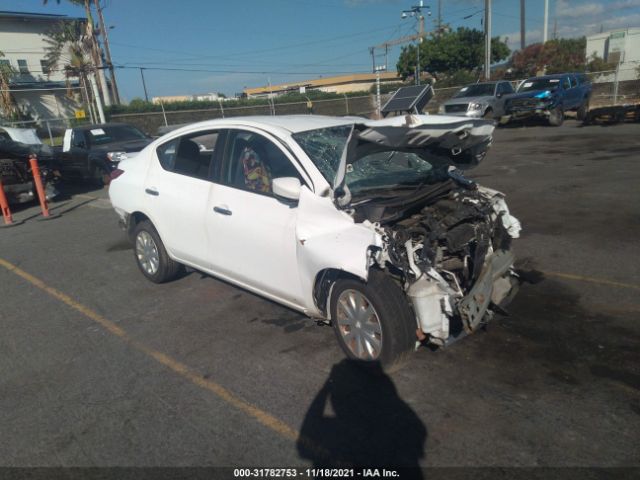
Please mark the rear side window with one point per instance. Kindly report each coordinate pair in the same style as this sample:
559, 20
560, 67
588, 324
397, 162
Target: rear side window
191, 155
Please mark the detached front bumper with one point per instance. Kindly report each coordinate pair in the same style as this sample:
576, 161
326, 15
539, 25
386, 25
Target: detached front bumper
496, 284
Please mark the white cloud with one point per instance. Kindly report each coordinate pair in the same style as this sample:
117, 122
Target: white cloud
566, 9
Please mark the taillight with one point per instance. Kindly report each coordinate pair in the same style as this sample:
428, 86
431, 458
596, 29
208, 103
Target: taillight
115, 174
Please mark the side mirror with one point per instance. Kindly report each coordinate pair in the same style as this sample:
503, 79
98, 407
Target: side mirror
81, 145
287, 188
499, 95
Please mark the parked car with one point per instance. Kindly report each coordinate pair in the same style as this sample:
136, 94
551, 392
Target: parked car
366, 224
91, 152
484, 99
16, 145
549, 97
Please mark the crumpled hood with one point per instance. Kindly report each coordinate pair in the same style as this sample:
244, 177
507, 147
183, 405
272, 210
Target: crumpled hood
460, 142
529, 94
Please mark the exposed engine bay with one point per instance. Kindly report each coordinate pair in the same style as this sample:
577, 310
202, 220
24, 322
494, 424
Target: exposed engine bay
447, 242
451, 254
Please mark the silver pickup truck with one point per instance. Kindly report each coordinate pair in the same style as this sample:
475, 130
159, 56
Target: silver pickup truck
477, 100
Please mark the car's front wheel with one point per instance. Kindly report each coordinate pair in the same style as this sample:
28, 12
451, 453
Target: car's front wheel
373, 321
556, 117
151, 256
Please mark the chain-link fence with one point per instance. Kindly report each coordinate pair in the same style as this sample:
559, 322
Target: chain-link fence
151, 121
611, 87
50, 130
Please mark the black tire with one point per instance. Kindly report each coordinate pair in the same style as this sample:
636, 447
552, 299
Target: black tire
488, 115
581, 114
167, 269
99, 176
556, 117
397, 323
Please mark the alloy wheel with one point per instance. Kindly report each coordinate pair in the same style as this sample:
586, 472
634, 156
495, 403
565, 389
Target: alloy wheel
359, 325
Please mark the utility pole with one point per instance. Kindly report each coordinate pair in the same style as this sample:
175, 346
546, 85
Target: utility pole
487, 39
107, 51
416, 12
144, 84
545, 29
522, 26
439, 17
96, 94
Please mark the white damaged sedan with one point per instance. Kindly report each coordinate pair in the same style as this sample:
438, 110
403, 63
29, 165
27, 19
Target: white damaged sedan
369, 225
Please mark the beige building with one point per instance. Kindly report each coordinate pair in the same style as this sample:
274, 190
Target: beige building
357, 82
38, 92
200, 97
621, 47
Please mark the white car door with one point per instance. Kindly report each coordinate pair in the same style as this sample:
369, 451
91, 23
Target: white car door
177, 189
252, 233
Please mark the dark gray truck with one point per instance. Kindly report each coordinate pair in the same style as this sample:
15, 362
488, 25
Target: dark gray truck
549, 97
91, 152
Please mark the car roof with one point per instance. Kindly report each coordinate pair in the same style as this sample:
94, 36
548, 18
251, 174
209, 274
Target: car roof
492, 82
102, 125
290, 123
553, 75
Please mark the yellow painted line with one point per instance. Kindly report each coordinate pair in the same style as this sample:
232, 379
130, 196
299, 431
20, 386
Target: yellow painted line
181, 369
582, 278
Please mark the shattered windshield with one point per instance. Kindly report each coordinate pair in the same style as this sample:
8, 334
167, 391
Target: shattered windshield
479, 90
539, 84
376, 166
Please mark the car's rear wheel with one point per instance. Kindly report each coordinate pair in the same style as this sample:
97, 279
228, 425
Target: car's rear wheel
151, 256
373, 321
582, 111
556, 117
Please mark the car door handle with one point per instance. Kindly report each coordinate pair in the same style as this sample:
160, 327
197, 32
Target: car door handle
152, 191
222, 210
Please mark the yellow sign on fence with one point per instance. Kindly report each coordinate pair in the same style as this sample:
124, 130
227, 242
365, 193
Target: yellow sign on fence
80, 114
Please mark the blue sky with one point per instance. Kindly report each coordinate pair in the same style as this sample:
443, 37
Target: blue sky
237, 44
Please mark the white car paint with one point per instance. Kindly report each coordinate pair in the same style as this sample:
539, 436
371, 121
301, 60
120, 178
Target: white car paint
271, 247
294, 244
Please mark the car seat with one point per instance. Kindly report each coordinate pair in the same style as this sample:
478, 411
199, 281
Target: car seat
187, 157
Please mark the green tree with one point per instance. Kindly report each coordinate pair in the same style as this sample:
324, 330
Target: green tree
555, 56
69, 50
7, 104
461, 49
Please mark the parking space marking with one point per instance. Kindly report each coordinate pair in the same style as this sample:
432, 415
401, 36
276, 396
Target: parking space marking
181, 369
582, 278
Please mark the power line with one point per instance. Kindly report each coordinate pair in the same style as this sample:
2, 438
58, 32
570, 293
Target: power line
366, 33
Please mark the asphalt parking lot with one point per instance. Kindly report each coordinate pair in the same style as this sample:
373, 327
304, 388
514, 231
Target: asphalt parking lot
99, 367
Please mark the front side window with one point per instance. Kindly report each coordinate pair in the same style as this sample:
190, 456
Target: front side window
252, 161
505, 88
77, 139
190, 155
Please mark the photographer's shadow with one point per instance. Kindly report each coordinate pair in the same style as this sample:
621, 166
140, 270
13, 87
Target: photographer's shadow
357, 419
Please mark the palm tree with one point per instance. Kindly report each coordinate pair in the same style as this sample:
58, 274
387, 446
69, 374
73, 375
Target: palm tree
6, 100
92, 42
69, 50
